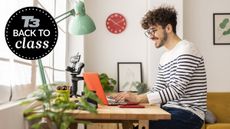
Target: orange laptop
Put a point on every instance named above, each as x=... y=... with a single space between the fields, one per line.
x=93 y=83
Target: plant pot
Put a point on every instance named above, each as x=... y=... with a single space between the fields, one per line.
x=63 y=95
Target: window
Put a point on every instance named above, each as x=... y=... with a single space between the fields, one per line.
x=54 y=62
x=19 y=77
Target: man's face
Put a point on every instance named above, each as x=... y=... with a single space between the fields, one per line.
x=158 y=35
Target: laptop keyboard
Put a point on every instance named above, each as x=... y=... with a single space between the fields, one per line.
x=112 y=101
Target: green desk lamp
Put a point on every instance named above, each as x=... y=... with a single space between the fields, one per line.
x=81 y=24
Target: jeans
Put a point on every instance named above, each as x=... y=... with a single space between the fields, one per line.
x=180 y=119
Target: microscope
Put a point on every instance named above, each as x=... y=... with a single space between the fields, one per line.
x=75 y=71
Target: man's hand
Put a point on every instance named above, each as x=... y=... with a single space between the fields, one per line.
x=126 y=96
x=130 y=97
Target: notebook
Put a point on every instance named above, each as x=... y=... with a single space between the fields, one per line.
x=93 y=83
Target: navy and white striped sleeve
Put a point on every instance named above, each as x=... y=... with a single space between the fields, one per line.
x=179 y=75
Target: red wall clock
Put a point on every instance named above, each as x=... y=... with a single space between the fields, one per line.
x=116 y=23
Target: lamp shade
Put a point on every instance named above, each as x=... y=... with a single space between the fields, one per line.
x=81 y=23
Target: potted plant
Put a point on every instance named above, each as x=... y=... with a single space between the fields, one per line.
x=107 y=83
x=141 y=87
x=51 y=112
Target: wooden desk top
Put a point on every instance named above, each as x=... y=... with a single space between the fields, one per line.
x=115 y=113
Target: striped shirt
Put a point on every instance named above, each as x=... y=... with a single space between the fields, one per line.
x=181 y=80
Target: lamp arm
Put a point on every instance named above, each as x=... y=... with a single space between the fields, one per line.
x=66 y=15
x=41 y=69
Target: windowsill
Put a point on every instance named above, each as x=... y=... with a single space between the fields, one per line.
x=13 y=103
x=9 y=105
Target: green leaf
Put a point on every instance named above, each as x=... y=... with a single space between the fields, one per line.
x=87 y=106
x=114 y=82
x=36 y=126
x=103 y=75
x=28 y=111
x=223 y=24
x=107 y=83
x=226 y=32
x=35 y=116
x=64 y=125
x=52 y=115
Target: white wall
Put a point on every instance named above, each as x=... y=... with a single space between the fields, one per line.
x=103 y=49
x=11 y=116
x=198 y=28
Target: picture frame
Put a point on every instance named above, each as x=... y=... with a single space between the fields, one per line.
x=221 y=28
x=128 y=73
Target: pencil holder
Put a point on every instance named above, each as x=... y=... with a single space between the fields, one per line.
x=63 y=93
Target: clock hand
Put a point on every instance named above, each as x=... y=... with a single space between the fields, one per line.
x=120 y=21
x=116 y=23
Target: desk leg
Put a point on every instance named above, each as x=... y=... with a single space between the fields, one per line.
x=127 y=125
x=143 y=124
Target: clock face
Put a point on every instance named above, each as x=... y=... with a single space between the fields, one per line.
x=116 y=23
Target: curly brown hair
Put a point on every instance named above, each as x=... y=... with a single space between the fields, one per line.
x=163 y=16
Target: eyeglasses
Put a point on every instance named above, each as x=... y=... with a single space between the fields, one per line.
x=150 y=32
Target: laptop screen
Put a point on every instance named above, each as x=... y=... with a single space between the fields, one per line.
x=93 y=83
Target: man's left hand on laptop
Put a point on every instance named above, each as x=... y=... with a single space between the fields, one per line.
x=126 y=96
x=131 y=97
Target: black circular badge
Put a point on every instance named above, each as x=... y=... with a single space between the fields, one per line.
x=31 y=33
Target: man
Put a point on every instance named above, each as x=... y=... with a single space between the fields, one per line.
x=180 y=86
